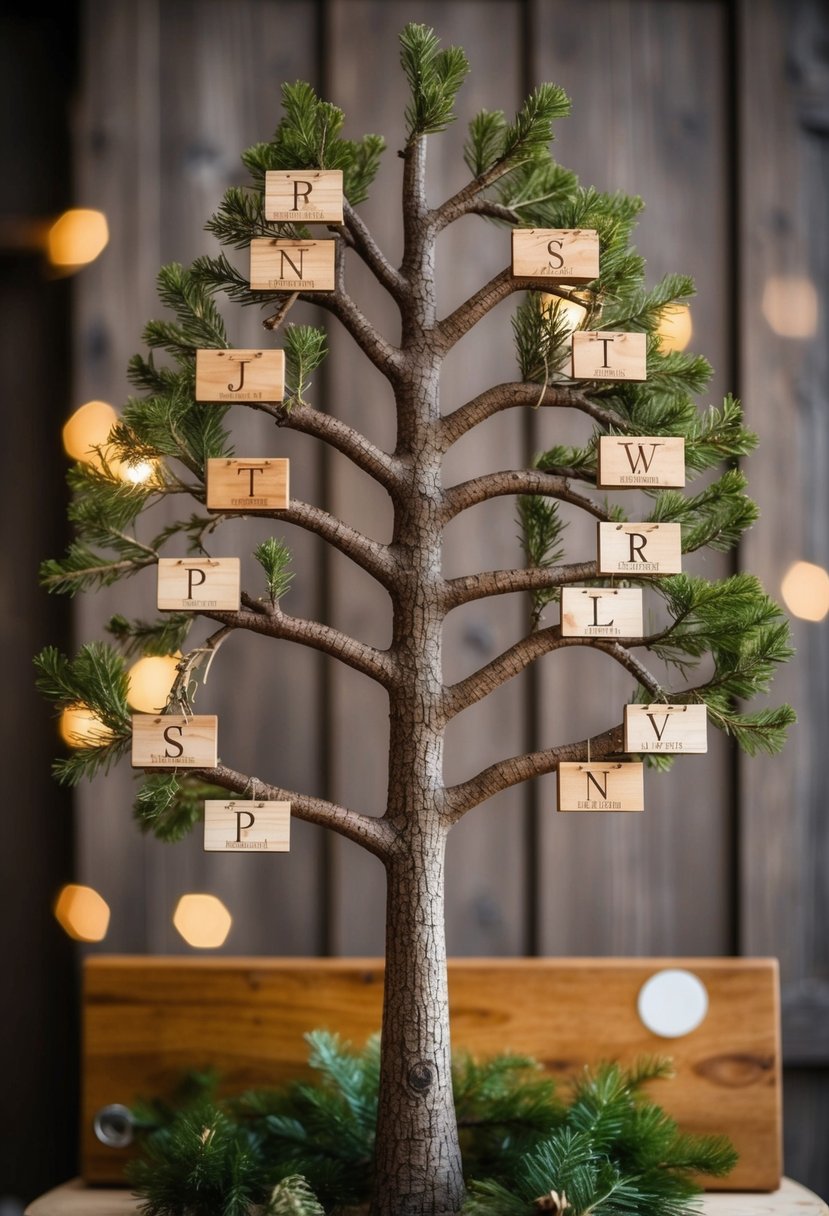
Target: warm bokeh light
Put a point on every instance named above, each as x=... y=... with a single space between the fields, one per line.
x=790 y=305
x=82 y=913
x=805 y=591
x=87 y=429
x=80 y=727
x=570 y=311
x=675 y=327
x=150 y=681
x=77 y=238
x=202 y=920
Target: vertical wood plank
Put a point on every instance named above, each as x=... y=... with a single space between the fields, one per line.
x=784 y=170
x=174 y=93
x=485 y=877
x=649 y=117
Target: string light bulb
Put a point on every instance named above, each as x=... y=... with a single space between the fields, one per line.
x=150 y=681
x=675 y=327
x=78 y=726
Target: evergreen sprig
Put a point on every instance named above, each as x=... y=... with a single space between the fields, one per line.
x=169 y=805
x=95 y=680
x=198 y=321
x=541 y=527
x=715 y=518
x=609 y=1147
x=274 y=557
x=160 y=637
x=206 y=1164
x=434 y=78
x=305 y=350
x=542 y=339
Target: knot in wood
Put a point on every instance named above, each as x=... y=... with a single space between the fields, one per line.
x=421 y=1076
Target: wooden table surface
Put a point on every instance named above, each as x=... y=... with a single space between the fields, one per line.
x=75 y=1199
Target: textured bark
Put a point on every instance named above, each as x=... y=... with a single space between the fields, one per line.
x=418 y=1166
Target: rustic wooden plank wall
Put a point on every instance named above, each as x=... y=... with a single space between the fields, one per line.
x=672 y=99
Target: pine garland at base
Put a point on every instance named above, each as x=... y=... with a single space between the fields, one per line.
x=307 y=1149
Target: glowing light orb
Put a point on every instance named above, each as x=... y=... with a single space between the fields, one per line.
x=805 y=591
x=82 y=913
x=77 y=238
x=150 y=681
x=202 y=920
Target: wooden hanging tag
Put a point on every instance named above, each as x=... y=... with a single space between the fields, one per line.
x=603 y=785
x=600 y=354
x=569 y=255
x=240 y=375
x=643 y=460
x=247 y=484
x=255 y=827
x=666 y=728
x=277 y=265
x=175 y=741
x=601 y=612
x=640 y=548
x=304 y=196
x=195 y=584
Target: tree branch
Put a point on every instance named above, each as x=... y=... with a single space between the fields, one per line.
x=466 y=199
x=505 y=773
x=378 y=464
x=385 y=357
x=515 y=481
x=516 y=658
x=371 y=555
x=452 y=328
x=365 y=245
x=372 y=833
x=507 y=396
x=471 y=587
x=376 y=664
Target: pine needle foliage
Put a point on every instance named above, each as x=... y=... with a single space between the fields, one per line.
x=95 y=679
x=541 y=531
x=169 y=805
x=604 y=1143
x=160 y=638
x=305 y=350
x=274 y=558
x=434 y=77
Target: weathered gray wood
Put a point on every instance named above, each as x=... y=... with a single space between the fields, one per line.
x=485 y=877
x=157 y=160
x=784 y=160
x=646 y=81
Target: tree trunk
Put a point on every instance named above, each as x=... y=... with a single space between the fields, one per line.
x=418 y=1167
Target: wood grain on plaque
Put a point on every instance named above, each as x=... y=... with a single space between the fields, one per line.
x=240 y=375
x=146 y=1020
x=645 y=460
x=570 y=255
x=247 y=484
x=602 y=355
x=639 y=548
x=277 y=265
x=304 y=196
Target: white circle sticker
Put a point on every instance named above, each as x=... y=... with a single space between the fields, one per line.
x=673 y=1003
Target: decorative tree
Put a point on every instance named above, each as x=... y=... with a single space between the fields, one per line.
x=515 y=182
